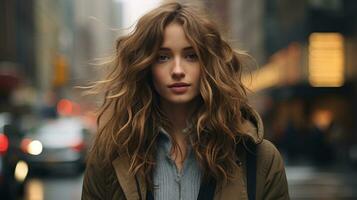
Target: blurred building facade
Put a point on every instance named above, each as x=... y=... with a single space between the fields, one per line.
x=17 y=35
x=305 y=84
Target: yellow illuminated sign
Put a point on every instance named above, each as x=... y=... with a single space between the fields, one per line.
x=326 y=60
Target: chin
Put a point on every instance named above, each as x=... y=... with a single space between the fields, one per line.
x=180 y=99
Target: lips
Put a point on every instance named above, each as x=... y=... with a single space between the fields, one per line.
x=179 y=88
x=179 y=85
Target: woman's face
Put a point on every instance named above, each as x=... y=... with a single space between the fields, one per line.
x=176 y=72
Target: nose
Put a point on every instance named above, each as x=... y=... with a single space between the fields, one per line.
x=177 y=71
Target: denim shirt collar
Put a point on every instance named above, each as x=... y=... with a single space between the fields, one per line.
x=165 y=139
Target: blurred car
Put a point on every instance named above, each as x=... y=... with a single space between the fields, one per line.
x=56 y=144
x=13 y=170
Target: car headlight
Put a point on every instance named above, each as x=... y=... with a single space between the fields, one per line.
x=21 y=171
x=33 y=147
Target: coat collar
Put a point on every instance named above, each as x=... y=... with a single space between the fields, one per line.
x=252 y=125
x=129 y=183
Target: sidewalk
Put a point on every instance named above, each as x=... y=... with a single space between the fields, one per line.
x=311 y=182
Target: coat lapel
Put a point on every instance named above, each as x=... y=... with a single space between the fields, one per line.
x=237 y=188
x=127 y=181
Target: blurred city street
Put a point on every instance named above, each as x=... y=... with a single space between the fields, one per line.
x=308 y=182
x=54 y=187
x=302 y=82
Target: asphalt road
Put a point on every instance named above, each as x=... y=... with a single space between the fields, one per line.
x=54 y=187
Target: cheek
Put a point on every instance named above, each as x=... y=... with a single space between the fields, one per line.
x=197 y=79
x=197 y=75
x=157 y=77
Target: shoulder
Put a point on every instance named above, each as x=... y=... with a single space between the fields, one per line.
x=99 y=178
x=271 y=177
x=268 y=158
x=95 y=170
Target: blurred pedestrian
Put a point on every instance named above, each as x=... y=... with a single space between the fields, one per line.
x=175 y=122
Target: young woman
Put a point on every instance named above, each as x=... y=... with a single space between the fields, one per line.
x=175 y=122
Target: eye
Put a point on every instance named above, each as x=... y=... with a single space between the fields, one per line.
x=191 y=57
x=162 y=58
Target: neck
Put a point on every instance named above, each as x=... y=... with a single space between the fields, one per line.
x=178 y=114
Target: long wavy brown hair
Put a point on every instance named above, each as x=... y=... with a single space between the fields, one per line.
x=130 y=114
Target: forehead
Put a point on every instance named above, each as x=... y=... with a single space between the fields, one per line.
x=174 y=36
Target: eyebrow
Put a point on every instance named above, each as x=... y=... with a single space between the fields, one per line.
x=168 y=49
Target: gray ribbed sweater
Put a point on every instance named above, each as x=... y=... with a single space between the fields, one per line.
x=169 y=183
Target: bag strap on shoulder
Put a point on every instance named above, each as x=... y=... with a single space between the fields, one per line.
x=251 y=170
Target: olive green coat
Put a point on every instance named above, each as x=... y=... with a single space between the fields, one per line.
x=115 y=182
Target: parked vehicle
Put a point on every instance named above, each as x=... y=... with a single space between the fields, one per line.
x=13 y=170
x=58 y=144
